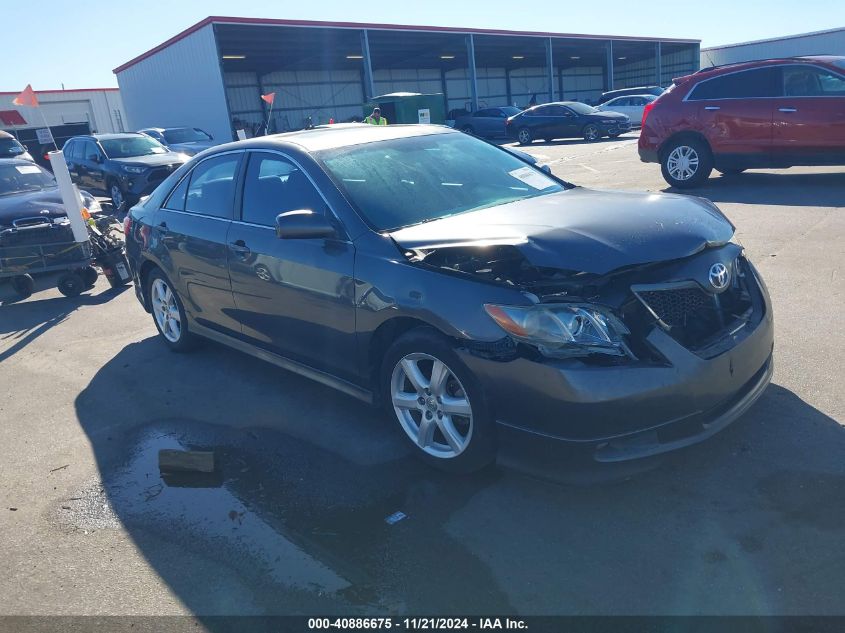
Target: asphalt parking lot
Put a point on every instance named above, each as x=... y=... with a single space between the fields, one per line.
x=749 y=522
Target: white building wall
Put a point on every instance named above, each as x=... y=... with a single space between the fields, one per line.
x=101 y=109
x=178 y=85
x=830 y=42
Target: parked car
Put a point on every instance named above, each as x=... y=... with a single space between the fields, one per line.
x=121 y=166
x=566 y=119
x=478 y=299
x=624 y=92
x=487 y=122
x=188 y=140
x=771 y=114
x=632 y=107
x=35 y=233
x=10 y=147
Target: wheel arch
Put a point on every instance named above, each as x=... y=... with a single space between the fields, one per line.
x=384 y=336
x=147 y=267
x=681 y=136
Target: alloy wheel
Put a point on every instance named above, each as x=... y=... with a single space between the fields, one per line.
x=116 y=197
x=682 y=162
x=591 y=133
x=166 y=311
x=524 y=136
x=432 y=405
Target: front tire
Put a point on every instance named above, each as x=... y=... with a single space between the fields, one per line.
x=24 y=285
x=71 y=284
x=168 y=313
x=118 y=200
x=591 y=133
x=524 y=136
x=437 y=402
x=686 y=163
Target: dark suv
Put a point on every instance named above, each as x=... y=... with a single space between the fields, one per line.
x=765 y=114
x=121 y=166
x=485 y=303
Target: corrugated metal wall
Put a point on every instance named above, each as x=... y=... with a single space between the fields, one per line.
x=179 y=85
x=823 y=43
x=101 y=109
x=583 y=83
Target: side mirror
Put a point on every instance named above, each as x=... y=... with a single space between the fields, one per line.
x=303 y=224
x=546 y=169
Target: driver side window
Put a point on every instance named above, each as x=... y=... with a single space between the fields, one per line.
x=274 y=185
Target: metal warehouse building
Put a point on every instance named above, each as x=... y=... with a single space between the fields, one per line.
x=212 y=74
x=830 y=42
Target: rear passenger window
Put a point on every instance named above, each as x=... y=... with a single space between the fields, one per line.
x=747 y=84
x=69 y=149
x=274 y=185
x=212 y=187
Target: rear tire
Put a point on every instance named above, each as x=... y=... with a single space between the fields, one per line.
x=118 y=198
x=71 y=284
x=447 y=421
x=524 y=136
x=24 y=285
x=686 y=163
x=168 y=313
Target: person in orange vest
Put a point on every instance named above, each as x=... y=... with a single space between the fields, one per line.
x=375 y=118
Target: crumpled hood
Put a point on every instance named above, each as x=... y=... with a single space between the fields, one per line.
x=583 y=230
x=44 y=203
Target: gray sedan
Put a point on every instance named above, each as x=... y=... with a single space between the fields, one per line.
x=487 y=122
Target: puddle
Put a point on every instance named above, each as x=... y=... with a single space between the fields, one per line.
x=280 y=512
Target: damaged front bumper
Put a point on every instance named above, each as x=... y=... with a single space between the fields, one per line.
x=627 y=412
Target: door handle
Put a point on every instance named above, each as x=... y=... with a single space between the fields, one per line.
x=787 y=109
x=712 y=108
x=240 y=248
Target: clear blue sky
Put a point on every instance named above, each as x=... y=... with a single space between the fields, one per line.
x=94 y=36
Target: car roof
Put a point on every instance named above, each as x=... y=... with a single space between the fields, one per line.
x=647 y=95
x=332 y=137
x=759 y=63
x=5 y=134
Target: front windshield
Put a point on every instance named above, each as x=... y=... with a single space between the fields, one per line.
x=10 y=147
x=129 y=146
x=24 y=177
x=417 y=179
x=581 y=108
x=185 y=135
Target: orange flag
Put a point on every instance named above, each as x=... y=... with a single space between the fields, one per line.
x=27 y=97
x=269 y=97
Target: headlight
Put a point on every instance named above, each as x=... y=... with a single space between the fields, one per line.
x=133 y=169
x=563 y=330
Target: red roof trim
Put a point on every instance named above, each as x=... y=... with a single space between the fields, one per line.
x=41 y=92
x=216 y=19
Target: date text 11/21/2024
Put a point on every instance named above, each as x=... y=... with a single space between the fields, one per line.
x=418 y=624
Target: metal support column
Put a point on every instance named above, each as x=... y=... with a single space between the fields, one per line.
x=550 y=68
x=610 y=65
x=369 y=87
x=508 y=86
x=658 y=62
x=473 y=79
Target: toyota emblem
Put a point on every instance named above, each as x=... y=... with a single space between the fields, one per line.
x=719 y=276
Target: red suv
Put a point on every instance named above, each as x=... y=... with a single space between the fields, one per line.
x=771 y=113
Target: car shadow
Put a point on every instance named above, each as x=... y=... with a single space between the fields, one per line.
x=782 y=188
x=24 y=320
x=317 y=506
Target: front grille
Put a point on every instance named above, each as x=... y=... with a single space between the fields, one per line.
x=158 y=174
x=696 y=318
x=677 y=307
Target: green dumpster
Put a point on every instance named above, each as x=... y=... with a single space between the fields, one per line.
x=409 y=107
